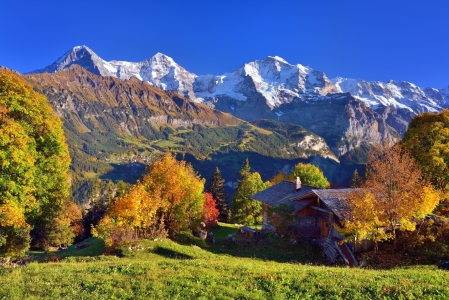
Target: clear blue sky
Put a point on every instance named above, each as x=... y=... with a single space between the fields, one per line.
x=373 y=40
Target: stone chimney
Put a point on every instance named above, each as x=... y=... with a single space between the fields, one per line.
x=297 y=184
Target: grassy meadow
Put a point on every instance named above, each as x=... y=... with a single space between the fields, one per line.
x=188 y=268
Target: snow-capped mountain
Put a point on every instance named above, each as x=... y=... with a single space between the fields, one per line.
x=275 y=79
x=160 y=70
x=346 y=112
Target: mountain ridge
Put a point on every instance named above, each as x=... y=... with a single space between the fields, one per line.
x=346 y=112
x=283 y=81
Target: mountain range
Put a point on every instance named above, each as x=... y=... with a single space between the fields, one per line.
x=117 y=113
x=346 y=112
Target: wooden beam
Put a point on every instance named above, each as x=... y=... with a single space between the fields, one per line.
x=321 y=209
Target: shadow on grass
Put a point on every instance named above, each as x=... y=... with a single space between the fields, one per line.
x=270 y=248
x=95 y=247
x=171 y=254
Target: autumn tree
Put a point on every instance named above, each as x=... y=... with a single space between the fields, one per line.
x=394 y=193
x=279 y=177
x=14 y=230
x=66 y=225
x=180 y=190
x=364 y=219
x=310 y=175
x=427 y=140
x=34 y=157
x=244 y=209
x=168 y=198
x=210 y=211
x=216 y=188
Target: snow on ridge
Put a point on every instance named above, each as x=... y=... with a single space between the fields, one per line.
x=278 y=58
x=218 y=86
x=273 y=77
x=404 y=95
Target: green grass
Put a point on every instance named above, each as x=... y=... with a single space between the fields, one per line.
x=96 y=248
x=192 y=269
x=165 y=143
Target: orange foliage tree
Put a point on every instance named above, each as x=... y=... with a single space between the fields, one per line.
x=168 y=198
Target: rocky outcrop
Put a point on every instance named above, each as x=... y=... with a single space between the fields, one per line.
x=342 y=120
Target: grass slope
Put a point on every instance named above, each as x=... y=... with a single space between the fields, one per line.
x=189 y=269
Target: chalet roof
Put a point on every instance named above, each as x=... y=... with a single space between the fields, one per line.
x=336 y=200
x=284 y=193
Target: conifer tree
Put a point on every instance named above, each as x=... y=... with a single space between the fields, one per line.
x=217 y=190
x=246 y=169
x=244 y=209
x=356 y=179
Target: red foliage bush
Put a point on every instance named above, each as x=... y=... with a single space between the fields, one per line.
x=211 y=213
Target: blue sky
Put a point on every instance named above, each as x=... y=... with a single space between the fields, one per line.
x=373 y=40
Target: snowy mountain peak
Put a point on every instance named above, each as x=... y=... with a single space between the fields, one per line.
x=277 y=58
x=81 y=55
x=77 y=48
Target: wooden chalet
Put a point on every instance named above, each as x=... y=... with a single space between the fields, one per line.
x=317 y=211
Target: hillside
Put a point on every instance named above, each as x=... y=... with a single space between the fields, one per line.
x=110 y=123
x=191 y=269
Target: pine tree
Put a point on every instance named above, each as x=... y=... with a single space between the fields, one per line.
x=356 y=179
x=245 y=170
x=217 y=190
x=244 y=209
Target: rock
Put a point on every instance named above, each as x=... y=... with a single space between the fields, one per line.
x=210 y=237
x=202 y=234
x=444 y=266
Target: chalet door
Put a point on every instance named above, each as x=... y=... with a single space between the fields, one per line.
x=324 y=228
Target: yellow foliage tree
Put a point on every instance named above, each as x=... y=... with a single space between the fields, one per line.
x=363 y=220
x=179 y=190
x=136 y=209
x=14 y=231
x=392 y=196
x=170 y=195
x=34 y=157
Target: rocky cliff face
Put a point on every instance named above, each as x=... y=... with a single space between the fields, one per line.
x=342 y=120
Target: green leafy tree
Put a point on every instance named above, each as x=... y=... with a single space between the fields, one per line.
x=310 y=175
x=427 y=140
x=34 y=157
x=66 y=226
x=244 y=209
x=216 y=188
